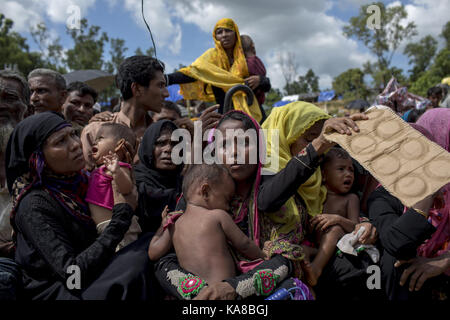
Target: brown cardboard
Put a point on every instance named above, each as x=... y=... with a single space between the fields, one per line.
x=404 y=161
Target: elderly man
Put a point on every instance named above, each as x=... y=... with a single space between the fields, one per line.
x=14 y=100
x=48 y=90
x=79 y=105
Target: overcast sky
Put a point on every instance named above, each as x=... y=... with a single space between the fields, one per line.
x=182 y=29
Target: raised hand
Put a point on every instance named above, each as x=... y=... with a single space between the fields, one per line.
x=111 y=162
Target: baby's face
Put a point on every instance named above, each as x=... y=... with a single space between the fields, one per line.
x=221 y=194
x=339 y=175
x=104 y=143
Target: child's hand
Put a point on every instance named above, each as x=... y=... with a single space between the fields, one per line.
x=323 y=221
x=165 y=215
x=111 y=162
x=126 y=149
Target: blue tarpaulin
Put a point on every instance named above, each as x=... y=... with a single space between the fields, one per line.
x=281 y=103
x=326 y=96
x=174 y=93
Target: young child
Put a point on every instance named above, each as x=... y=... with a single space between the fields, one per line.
x=201 y=234
x=255 y=68
x=341 y=210
x=113 y=150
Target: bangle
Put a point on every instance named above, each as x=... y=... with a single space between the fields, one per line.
x=421 y=212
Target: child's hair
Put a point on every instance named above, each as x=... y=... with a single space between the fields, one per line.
x=247 y=44
x=119 y=131
x=197 y=173
x=334 y=153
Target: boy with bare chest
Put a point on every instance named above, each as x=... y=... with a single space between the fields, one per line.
x=340 y=210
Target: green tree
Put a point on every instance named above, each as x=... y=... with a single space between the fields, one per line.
x=383 y=41
x=51 y=51
x=14 y=49
x=420 y=55
x=117 y=51
x=446 y=34
x=438 y=70
x=305 y=84
x=350 y=84
x=274 y=95
x=87 y=52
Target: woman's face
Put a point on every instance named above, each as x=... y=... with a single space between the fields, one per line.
x=163 y=150
x=226 y=37
x=239 y=172
x=307 y=137
x=63 y=153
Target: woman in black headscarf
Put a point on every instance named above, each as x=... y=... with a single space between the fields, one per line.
x=158 y=179
x=57 y=246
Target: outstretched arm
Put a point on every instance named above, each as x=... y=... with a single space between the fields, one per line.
x=238 y=239
x=161 y=241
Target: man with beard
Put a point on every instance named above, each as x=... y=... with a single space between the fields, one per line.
x=14 y=101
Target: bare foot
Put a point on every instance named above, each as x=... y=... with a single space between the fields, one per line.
x=312 y=273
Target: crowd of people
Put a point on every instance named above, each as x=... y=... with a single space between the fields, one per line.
x=94 y=207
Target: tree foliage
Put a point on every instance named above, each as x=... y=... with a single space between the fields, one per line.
x=420 y=55
x=87 y=52
x=14 y=49
x=383 y=41
x=305 y=84
x=350 y=84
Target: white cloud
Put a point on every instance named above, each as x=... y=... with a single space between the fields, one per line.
x=28 y=13
x=429 y=16
x=157 y=13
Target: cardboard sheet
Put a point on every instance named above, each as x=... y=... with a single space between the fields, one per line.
x=404 y=161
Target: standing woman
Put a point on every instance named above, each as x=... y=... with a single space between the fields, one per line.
x=158 y=179
x=218 y=70
x=54 y=234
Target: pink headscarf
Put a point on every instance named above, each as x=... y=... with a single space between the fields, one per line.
x=437 y=121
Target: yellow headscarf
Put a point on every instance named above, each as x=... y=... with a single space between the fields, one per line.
x=292 y=120
x=213 y=68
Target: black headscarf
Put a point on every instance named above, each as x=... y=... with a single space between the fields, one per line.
x=25 y=166
x=28 y=137
x=156 y=188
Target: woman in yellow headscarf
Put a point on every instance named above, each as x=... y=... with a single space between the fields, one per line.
x=291 y=190
x=218 y=70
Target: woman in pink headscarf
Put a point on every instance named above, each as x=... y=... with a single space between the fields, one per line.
x=437 y=122
x=415 y=241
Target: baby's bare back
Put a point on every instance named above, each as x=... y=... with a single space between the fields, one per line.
x=201 y=245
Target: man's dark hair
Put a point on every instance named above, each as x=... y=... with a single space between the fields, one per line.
x=197 y=173
x=434 y=91
x=83 y=89
x=139 y=69
x=120 y=131
x=14 y=75
x=334 y=153
x=169 y=105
